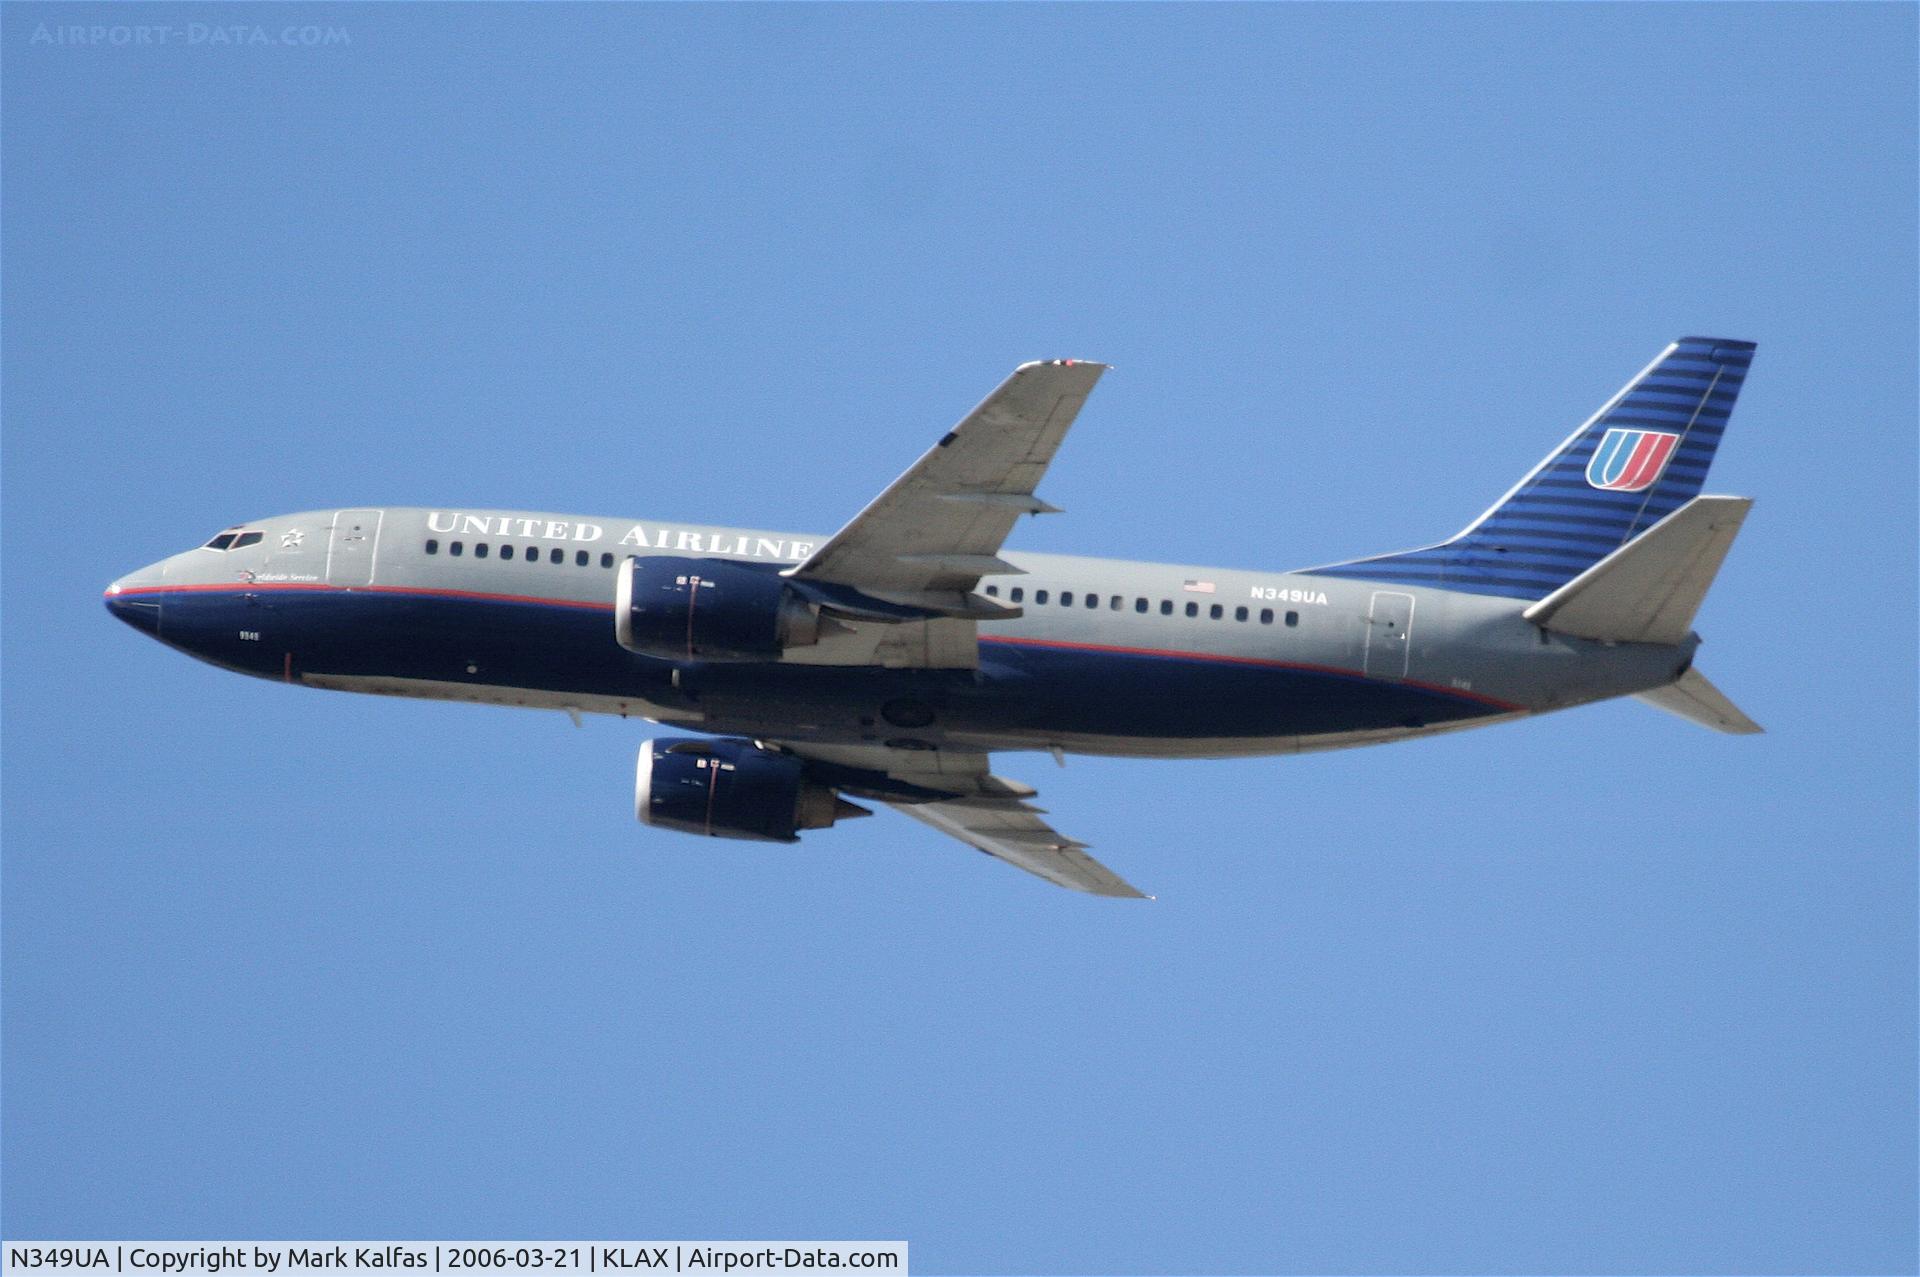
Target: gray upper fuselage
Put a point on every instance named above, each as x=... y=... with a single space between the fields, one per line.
x=1474 y=650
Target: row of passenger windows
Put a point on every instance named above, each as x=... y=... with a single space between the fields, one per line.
x=1116 y=603
x=1017 y=594
x=531 y=553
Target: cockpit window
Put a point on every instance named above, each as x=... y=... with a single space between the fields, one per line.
x=234 y=539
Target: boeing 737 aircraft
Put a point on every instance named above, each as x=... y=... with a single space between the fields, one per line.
x=889 y=661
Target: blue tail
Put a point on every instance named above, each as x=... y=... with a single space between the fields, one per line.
x=1637 y=460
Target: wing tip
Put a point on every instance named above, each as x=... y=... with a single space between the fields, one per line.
x=1092 y=364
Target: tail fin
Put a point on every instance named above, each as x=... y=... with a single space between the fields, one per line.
x=1636 y=461
x=1648 y=590
x=1693 y=698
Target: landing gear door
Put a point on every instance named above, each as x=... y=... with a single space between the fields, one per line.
x=1389 y=634
x=352 y=545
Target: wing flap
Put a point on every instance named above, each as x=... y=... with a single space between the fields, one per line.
x=937 y=645
x=1013 y=831
x=987 y=812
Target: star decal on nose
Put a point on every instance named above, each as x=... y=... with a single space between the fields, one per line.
x=292 y=540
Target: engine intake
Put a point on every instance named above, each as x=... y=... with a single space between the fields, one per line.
x=709 y=609
x=731 y=789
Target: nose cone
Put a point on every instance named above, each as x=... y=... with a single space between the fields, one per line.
x=140 y=614
x=130 y=599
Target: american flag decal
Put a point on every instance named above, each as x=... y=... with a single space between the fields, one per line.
x=1197 y=587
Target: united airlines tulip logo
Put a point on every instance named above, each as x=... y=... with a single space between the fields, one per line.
x=1630 y=460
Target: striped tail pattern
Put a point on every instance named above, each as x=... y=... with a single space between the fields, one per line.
x=1637 y=460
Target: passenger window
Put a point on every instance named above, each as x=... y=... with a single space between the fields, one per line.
x=1193 y=609
x=506 y=552
x=556 y=555
x=246 y=539
x=1215 y=612
x=606 y=560
x=479 y=549
x=1293 y=618
x=1166 y=607
x=1266 y=616
x=433 y=547
x=1239 y=614
x=1139 y=605
x=1114 y=604
x=580 y=558
x=1016 y=593
x=1039 y=596
x=1066 y=598
x=993 y=591
x=1093 y=600
x=455 y=549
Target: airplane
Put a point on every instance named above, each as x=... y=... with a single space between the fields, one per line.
x=888 y=662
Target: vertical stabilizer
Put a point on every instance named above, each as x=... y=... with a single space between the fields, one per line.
x=1641 y=457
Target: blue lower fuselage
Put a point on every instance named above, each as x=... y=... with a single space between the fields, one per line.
x=1026 y=693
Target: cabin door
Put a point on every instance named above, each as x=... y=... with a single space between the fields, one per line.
x=351 y=546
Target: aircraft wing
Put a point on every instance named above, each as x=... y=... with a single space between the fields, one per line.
x=1015 y=832
x=987 y=812
x=929 y=538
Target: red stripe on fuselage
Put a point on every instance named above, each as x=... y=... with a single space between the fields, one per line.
x=321 y=587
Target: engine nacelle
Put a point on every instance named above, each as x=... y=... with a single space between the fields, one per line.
x=731 y=789
x=709 y=610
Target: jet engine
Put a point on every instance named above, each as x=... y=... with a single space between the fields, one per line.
x=709 y=609
x=732 y=789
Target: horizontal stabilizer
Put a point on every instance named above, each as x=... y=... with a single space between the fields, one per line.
x=1693 y=697
x=1649 y=589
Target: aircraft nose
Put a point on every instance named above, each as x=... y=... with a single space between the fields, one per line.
x=141 y=614
x=125 y=600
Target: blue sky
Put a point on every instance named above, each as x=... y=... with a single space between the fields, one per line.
x=1599 y=992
